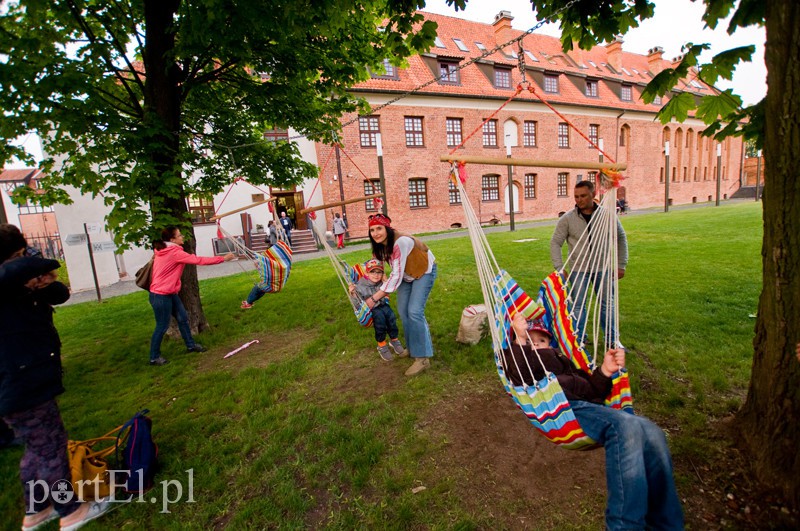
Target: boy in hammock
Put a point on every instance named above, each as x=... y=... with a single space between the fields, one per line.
x=383 y=318
x=641 y=488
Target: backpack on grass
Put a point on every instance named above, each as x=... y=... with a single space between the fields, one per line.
x=140 y=456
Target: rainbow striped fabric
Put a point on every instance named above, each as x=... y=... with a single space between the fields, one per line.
x=510 y=299
x=557 y=306
x=354 y=274
x=274 y=267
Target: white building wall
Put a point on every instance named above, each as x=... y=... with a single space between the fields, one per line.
x=111 y=267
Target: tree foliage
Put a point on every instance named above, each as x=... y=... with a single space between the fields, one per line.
x=149 y=101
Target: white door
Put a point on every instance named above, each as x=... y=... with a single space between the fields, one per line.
x=515 y=194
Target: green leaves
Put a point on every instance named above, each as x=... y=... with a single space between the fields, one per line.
x=678 y=108
x=723 y=64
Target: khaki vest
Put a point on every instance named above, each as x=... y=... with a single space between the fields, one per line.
x=417 y=261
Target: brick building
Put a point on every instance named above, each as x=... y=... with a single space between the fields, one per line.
x=599 y=91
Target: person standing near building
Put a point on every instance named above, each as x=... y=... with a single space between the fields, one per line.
x=168 y=265
x=310 y=217
x=569 y=229
x=339 y=228
x=287 y=225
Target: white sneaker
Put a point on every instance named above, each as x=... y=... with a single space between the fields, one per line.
x=37 y=520
x=86 y=513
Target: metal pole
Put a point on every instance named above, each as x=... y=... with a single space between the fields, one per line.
x=385 y=208
x=666 y=176
x=510 y=186
x=719 y=171
x=341 y=186
x=758 y=174
x=91 y=261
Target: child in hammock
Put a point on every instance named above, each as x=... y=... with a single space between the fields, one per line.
x=639 y=480
x=522 y=365
x=383 y=319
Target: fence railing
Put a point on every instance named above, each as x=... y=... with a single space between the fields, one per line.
x=48 y=244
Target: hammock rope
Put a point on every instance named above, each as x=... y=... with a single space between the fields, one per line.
x=543 y=402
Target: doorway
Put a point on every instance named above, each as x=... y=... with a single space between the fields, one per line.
x=291 y=203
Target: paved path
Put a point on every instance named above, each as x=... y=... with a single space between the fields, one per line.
x=232 y=268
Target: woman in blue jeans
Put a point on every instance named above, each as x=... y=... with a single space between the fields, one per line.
x=168 y=265
x=412 y=277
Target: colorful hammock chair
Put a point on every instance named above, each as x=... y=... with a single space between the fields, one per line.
x=544 y=403
x=348 y=274
x=273 y=265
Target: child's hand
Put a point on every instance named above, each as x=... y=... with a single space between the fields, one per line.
x=351 y=288
x=613 y=361
x=42 y=281
x=520 y=326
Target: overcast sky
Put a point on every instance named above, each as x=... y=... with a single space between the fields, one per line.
x=675 y=23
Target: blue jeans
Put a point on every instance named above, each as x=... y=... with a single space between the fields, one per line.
x=411 y=300
x=384 y=321
x=579 y=281
x=255 y=294
x=641 y=489
x=164 y=307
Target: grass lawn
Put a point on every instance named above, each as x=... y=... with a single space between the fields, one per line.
x=309 y=428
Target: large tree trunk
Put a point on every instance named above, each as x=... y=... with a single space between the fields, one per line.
x=162 y=103
x=771 y=415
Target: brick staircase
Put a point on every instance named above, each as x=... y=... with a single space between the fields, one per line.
x=302 y=241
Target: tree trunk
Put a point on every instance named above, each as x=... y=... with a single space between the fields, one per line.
x=162 y=104
x=770 y=417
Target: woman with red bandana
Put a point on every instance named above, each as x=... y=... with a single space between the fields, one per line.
x=412 y=277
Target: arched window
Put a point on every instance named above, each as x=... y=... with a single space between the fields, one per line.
x=510 y=133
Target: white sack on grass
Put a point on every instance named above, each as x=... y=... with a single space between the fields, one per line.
x=474 y=323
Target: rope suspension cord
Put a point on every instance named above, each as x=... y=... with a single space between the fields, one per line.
x=533 y=91
x=436 y=79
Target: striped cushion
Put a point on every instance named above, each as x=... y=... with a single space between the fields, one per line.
x=274 y=266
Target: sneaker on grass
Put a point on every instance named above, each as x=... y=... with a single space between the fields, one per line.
x=86 y=513
x=386 y=354
x=398 y=348
x=37 y=520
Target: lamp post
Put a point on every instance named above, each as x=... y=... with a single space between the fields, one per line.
x=719 y=172
x=666 y=176
x=758 y=174
x=510 y=185
x=379 y=146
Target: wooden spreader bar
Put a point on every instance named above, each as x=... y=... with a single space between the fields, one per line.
x=571 y=164
x=218 y=216
x=339 y=203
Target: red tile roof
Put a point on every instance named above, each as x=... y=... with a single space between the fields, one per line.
x=23 y=175
x=577 y=64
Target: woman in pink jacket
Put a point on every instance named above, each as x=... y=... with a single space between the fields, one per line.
x=170 y=260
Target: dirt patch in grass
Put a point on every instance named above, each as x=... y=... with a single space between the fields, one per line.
x=269 y=349
x=506 y=469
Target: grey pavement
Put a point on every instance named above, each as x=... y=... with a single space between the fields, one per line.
x=238 y=266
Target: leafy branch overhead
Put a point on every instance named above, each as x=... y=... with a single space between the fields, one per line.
x=144 y=103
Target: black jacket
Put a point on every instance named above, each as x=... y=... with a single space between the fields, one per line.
x=519 y=361
x=30 y=349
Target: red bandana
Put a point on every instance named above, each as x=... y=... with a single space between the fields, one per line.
x=380 y=219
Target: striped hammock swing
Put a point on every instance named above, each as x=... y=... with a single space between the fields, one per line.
x=347 y=274
x=544 y=403
x=273 y=265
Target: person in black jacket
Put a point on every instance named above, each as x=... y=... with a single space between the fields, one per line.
x=641 y=488
x=30 y=380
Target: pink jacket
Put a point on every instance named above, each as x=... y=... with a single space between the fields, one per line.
x=168 y=268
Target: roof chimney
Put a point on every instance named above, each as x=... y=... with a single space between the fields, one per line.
x=654 y=59
x=502 y=27
x=614 y=53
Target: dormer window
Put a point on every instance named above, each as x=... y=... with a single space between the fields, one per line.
x=551 y=83
x=448 y=72
x=657 y=101
x=502 y=77
x=626 y=93
x=591 y=88
x=390 y=71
